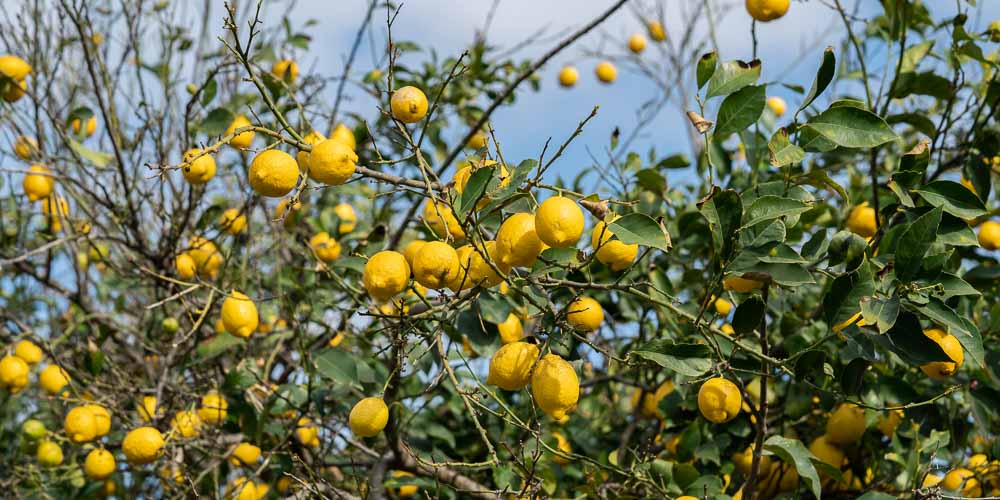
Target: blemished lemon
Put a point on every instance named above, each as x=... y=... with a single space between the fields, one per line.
x=38 y=183
x=49 y=454
x=767 y=10
x=846 y=424
x=185 y=266
x=326 y=248
x=656 y=31
x=186 y=423
x=100 y=464
x=55 y=209
x=606 y=72
x=861 y=220
x=964 y=481
x=245 y=454
x=285 y=69
x=989 y=235
x=368 y=417
x=723 y=306
x=213 y=408
x=613 y=253
x=411 y=249
x=102 y=419
x=348 y=218
x=80 y=425
x=510 y=366
x=518 y=244
x=555 y=385
x=510 y=329
x=435 y=265
x=719 y=400
x=408 y=104
x=25 y=147
x=233 y=221
x=344 y=134
x=563 y=445
x=651 y=401
x=441 y=219
x=952 y=348
x=274 y=173
x=386 y=274
x=28 y=351
x=13 y=374
x=741 y=285
x=585 y=314
x=406 y=490
x=306 y=433
x=777 y=105
x=242 y=140
x=889 y=421
x=332 y=162
x=302 y=157
x=637 y=43
x=52 y=379
x=239 y=315
x=88 y=131
x=568 y=76
x=147 y=409
x=559 y=222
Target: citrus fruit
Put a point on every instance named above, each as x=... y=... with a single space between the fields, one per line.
x=386 y=274
x=28 y=351
x=606 y=72
x=80 y=425
x=568 y=76
x=435 y=265
x=52 y=379
x=274 y=173
x=656 y=31
x=767 y=10
x=13 y=374
x=719 y=400
x=517 y=242
x=637 y=43
x=332 y=162
x=344 y=134
x=38 y=183
x=585 y=314
x=408 y=104
x=49 y=454
x=213 y=408
x=510 y=329
x=989 y=235
x=243 y=140
x=510 y=366
x=99 y=464
x=245 y=454
x=233 y=221
x=285 y=69
x=861 y=220
x=368 y=417
x=442 y=221
x=951 y=347
x=186 y=423
x=846 y=424
x=555 y=386
x=348 y=218
x=239 y=315
x=613 y=253
x=559 y=222
x=777 y=105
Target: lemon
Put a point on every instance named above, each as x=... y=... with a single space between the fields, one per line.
x=562 y=444
x=186 y=423
x=242 y=140
x=345 y=135
x=723 y=306
x=274 y=173
x=585 y=314
x=989 y=235
x=827 y=451
x=100 y=464
x=656 y=31
x=288 y=215
x=88 y=131
x=285 y=69
x=442 y=221
x=13 y=374
x=49 y=454
x=952 y=348
x=25 y=147
x=241 y=488
x=233 y=221
x=606 y=72
x=861 y=220
x=386 y=274
x=336 y=340
x=568 y=76
x=245 y=454
x=17 y=70
x=510 y=366
x=102 y=419
x=80 y=425
x=185 y=266
x=302 y=157
x=741 y=285
x=728 y=329
x=777 y=105
x=147 y=409
x=52 y=379
x=28 y=351
x=348 y=218
x=405 y=490
x=38 y=183
x=15 y=90
x=767 y=10
x=888 y=422
x=206 y=256
x=410 y=251
x=719 y=400
x=559 y=222
x=33 y=429
x=326 y=248
x=56 y=209
x=744 y=461
x=962 y=480
x=846 y=424
x=435 y=265
x=213 y=409
x=368 y=417
x=332 y=162
x=239 y=315
x=510 y=329
x=408 y=104
x=555 y=386
x=637 y=43
x=978 y=461
x=651 y=401
x=517 y=242
x=307 y=433
x=465 y=171
x=477 y=141
x=478 y=271
x=612 y=253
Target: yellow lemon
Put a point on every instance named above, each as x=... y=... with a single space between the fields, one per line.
x=185 y=266
x=637 y=43
x=510 y=366
x=345 y=135
x=245 y=454
x=99 y=465
x=348 y=218
x=102 y=419
x=777 y=105
x=239 y=315
x=332 y=162
x=302 y=157
x=386 y=274
x=411 y=249
x=80 y=425
x=28 y=351
x=442 y=221
x=274 y=173
x=435 y=265
x=728 y=329
x=888 y=422
x=741 y=285
x=585 y=314
x=989 y=235
x=408 y=104
x=38 y=183
x=555 y=386
x=326 y=248
x=465 y=172
x=56 y=209
x=242 y=140
x=285 y=69
x=568 y=76
x=651 y=401
x=147 y=409
x=656 y=31
x=517 y=242
x=723 y=306
x=52 y=379
x=306 y=433
x=213 y=409
x=846 y=424
x=25 y=147
x=288 y=215
x=479 y=272
x=827 y=451
x=406 y=490
x=198 y=168
x=186 y=423
x=90 y=128
x=477 y=141
x=14 y=67
x=241 y=488
x=233 y=221
x=562 y=444
x=964 y=481
x=606 y=72
x=49 y=454
x=978 y=461
x=13 y=374
x=510 y=329
x=952 y=348
x=368 y=417
x=861 y=220
x=612 y=253
x=719 y=400
x=767 y=10
x=559 y=222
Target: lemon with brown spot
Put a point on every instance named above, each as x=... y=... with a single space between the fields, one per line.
x=408 y=104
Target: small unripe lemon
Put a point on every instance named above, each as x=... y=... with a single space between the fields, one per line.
x=637 y=43
x=846 y=424
x=213 y=409
x=285 y=69
x=719 y=400
x=559 y=222
x=386 y=274
x=368 y=417
x=408 y=104
x=767 y=10
x=989 y=235
x=442 y=221
x=242 y=140
x=555 y=386
x=777 y=105
x=348 y=218
x=435 y=265
x=656 y=31
x=28 y=351
x=245 y=454
x=239 y=315
x=80 y=425
x=606 y=72
x=34 y=429
x=510 y=329
x=568 y=76
x=510 y=366
x=38 y=183
x=952 y=348
x=613 y=253
x=170 y=325
x=100 y=464
x=332 y=162
x=517 y=242
x=52 y=379
x=49 y=454
x=274 y=173
x=197 y=168
x=585 y=314
x=326 y=248
x=233 y=221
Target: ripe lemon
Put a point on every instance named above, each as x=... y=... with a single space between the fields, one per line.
x=102 y=419
x=767 y=10
x=242 y=140
x=952 y=348
x=326 y=248
x=52 y=379
x=348 y=218
x=99 y=465
x=861 y=220
x=185 y=266
x=888 y=422
x=568 y=76
x=213 y=409
x=989 y=235
x=147 y=409
x=186 y=423
x=559 y=222
x=49 y=454
x=386 y=274
x=344 y=134
x=25 y=147
x=477 y=141
x=555 y=386
x=846 y=424
x=88 y=131
x=274 y=173
x=719 y=400
x=368 y=417
x=80 y=425
x=463 y=281
x=777 y=105
x=56 y=209
x=38 y=183
x=13 y=374
x=285 y=69
x=510 y=329
x=206 y=256
x=727 y=329
x=245 y=454
x=827 y=451
x=307 y=433
x=562 y=444
x=288 y=215
x=637 y=43
x=612 y=253
x=585 y=314
x=478 y=270
x=408 y=104
x=233 y=221
x=242 y=488
x=723 y=306
x=332 y=162
x=510 y=366
x=517 y=242
x=656 y=31
x=302 y=157
x=28 y=351
x=964 y=481
x=239 y=315
x=14 y=67
x=744 y=461
x=606 y=72
x=741 y=285
x=442 y=221
x=435 y=265
x=411 y=249
x=405 y=490
x=651 y=401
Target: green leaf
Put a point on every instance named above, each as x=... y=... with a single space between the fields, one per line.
x=679 y=160
x=851 y=127
x=651 y=180
x=792 y=451
x=337 y=365
x=731 y=76
x=843 y=300
x=724 y=211
x=749 y=315
x=964 y=330
x=641 y=229
x=216 y=346
x=216 y=122
x=783 y=152
x=916 y=159
x=771 y=207
x=914 y=54
x=209 y=92
x=474 y=190
x=706 y=67
x=953 y=198
x=690 y=360
x=853 y=376
x=880 y=312
x=914 y=242
x=824 y=75
x=96 y=158
x=811 y=140
x=740 y=109
x=906 y=338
